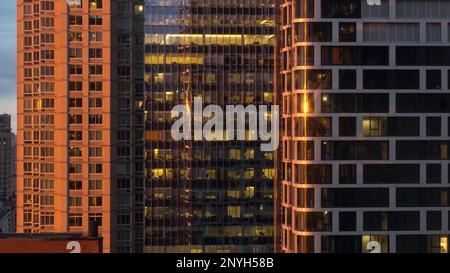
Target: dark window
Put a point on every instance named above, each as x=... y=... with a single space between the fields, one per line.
x=449 y=221
x=423 y=55
x=313 y=32
x=391 y=173
x=305 y=58
x=355 y=55
x=423 y=103
x=305 y=154
x=347 y=174
x=448 y=77
x=306 y=243
x=347 y=32
x=305 y=197
x=341 y=9
x=391 y=220
x=341 y=243
x=448 y=128
x=355 y=150
x=347 y=126
x=315 y=126
x=434 y=79
x=434 y=173
x=75 y=185
x=355 y=103
x=347 y=79
x=418 y=244
x=422 y=150
x=391 y=79
x=315 y=79
x=433 y=126
x=434 y=220
x=315 y=174
x=304 y=8
x=347 y=221
x=354 y=197
x=403 y=126
x=312 y=221
x=75 y=135
x=422 y=197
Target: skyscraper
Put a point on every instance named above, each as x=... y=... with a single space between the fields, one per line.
x=365 y=125
x=80 y=119
x=207 y=196
x=7 y=175
x=6 y=157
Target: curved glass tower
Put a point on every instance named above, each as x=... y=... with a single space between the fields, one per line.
x=364 y=87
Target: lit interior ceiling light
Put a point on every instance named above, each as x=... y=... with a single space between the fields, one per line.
x=305 y=105
x=73 y=2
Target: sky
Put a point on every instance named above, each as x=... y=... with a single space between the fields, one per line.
x=8 y=59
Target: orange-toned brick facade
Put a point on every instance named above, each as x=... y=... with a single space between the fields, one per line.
x=79 y=98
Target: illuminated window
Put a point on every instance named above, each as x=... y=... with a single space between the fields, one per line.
x=249 y=154
x=444 y=244
x=95 y=4
x=234 y=211
x=375 y=126
x=249 y=192
x=233 y=174
x=233 y=194
x=268 y=173
x=235 y=154
x=139 y=9
x=375 y=243
x=249 y=173
x=71 y=3
x=210 y=174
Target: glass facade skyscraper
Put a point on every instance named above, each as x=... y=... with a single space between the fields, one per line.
x=207 y=196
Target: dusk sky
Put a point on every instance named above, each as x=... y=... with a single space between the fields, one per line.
x=8 y=58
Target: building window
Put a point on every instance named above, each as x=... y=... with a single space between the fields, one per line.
x=434 y=32
x=95 y=168
x=347 y=32
x=341 y=9
x=73 y=3
x=434 y=174
x=96 y=218
x=139 y=9
x=95 y=36
x=75 y=20
x=347 y=79
x=75 y=168
x=347 y=126
x=75 y=185
x=95 y=4
x=433 y=126
x=75 y=219
x=347 y=174
x=434 y=79
x=95 y=20
x=347 y=221
x=95 y=185
x=95 y=201
x=304 y=8
x=434 y=220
